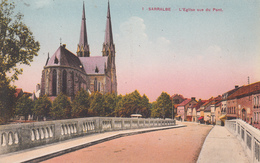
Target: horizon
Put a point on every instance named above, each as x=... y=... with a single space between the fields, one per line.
x=198 y=54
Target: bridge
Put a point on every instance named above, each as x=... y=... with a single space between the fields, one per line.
x=128 y=140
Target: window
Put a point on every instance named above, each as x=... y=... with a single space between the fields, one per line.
x=64 y=82
x=54 y=83
x=95 y=85
x=72 y=84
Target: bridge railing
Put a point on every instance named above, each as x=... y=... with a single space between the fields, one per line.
x=248 y=136
x=15 y=137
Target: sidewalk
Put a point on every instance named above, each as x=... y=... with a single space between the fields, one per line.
x=222 y=146
x=52 y=150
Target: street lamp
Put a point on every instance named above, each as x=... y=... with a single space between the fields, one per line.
x=172 y=107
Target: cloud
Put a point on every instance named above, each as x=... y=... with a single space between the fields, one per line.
x=42 y=3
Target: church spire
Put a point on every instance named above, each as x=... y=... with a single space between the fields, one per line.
x=108 y=42
x=83 y=47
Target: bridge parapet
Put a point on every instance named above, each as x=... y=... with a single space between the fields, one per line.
x=248 y=136
x=15 y=137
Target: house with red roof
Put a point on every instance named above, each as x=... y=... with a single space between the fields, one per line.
x=243 y=103
x=196 y=110
x=215 y=109
x=183 y=108
x=223 y=106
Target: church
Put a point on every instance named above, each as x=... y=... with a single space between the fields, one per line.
x=68 y=73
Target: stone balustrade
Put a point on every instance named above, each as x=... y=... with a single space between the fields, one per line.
x=248 y=136
x=15 y=137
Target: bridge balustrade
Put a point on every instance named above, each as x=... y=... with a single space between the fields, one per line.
x=15 y=137
x=248 y=136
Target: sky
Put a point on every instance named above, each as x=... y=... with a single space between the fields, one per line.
x=183 y=50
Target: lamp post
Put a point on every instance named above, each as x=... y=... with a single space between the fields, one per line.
x=172 y=108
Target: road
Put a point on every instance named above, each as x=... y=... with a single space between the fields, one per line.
x=172 y=145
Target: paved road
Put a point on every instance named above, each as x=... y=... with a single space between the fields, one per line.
x=173 y=145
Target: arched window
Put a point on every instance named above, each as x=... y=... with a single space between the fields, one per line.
x=54 y=82
x=64 y=81
x=72 y=83
x=98 y=86
x=95 y=85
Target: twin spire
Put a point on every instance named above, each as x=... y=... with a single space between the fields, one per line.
x=83 y=46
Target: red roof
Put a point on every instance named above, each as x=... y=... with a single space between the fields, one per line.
x=185 y=102
x=246 y=91
x=18 y=91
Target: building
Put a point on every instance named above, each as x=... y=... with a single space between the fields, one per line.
x=215 y=109
x=182 y=109
x=242 y=102
x=223 y=106
x=68 y=73
x=196 y=110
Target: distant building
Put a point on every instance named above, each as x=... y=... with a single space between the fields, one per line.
x=182 y=109
x=68 y=73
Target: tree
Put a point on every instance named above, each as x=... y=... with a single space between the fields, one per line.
x=61 y=107
x=132 y=104
x=80 y=104
x=42 y=107
x=24 y=106
x=7 y=101
x=97 y=105
x=17 y=44
x=163 y=106
x=145 y=107
x=110 y=102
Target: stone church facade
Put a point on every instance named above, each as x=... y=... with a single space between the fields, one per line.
x=68 y=73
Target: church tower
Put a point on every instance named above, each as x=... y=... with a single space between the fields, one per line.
x=83 y=47
x=109 y=51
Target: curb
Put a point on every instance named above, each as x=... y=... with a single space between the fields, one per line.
x=204 y=144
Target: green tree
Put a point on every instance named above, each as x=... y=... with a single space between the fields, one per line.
x=80 y=104
x=7 y=101
x=162 y=107
x=97 y=105
x=61 y=107
x=110 y=102
x=132 y=103
x=119 y=105
x=145 y=107
x=42 y=107
x=24 y=106
x=17 y=44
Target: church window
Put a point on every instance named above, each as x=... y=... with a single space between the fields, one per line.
x=72 y=84
x=54 y=83
x=98 y=86
x=95 y=85
x=64 y=81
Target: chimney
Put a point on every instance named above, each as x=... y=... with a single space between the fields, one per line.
x=64 y=45
x=236 y=86
x=193 y=98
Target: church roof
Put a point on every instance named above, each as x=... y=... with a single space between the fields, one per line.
x=63 y=57
x=95 y=64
